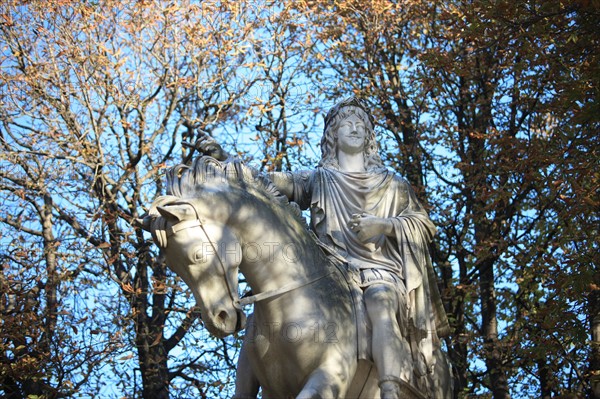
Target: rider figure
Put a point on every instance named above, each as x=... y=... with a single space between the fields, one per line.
x=372 y=218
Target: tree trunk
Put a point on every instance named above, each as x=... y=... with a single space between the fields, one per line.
x=544 y=372
x=153 y=366
x=492 y=350
x=459 y=353
x=51 y=286
x=152 y=354
x=149 y=324
x=594 y=316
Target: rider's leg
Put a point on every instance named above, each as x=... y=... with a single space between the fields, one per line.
x=391 y=351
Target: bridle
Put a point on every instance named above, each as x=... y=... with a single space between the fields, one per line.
x=239 y=303
x=188 y=224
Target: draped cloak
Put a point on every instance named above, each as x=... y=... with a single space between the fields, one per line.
x=334 y=196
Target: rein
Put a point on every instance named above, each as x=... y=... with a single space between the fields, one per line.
x=249 y=300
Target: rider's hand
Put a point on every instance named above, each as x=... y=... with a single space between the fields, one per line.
x=368 y=226
x=208 y=146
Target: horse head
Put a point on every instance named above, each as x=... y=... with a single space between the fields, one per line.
x=198 y=228
x=205 y=253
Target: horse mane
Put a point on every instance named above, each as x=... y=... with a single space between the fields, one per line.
x=187 y=182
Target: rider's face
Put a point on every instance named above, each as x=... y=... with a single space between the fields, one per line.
x=351 y=135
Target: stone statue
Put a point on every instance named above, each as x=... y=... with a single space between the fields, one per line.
x=368 y=266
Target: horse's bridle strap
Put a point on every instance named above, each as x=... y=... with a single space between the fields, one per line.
x=186 y=224
x=286 y=288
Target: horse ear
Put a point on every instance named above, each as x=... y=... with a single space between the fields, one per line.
x=177 y=213
x=145 y=223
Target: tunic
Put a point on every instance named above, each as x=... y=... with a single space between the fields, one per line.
x=334 y=196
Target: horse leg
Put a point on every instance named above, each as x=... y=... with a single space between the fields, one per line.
x=331 y=380
x=246 y=383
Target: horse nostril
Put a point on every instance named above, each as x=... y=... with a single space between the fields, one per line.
x=222 y=315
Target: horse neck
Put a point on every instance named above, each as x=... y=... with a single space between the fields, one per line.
x=287 y=252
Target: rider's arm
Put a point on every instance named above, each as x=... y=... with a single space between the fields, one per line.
x=294 y=185
x=297 y=186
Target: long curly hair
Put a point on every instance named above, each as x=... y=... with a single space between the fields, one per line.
x=342 y=110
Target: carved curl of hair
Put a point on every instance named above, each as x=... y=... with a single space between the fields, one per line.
x=333 y=119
